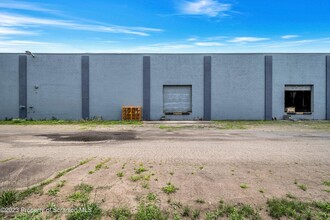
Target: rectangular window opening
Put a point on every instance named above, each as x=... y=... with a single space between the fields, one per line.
x=177 y=99
x=298 y=99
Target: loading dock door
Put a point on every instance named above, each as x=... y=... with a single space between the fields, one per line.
x=298 y=98
x=177 y=99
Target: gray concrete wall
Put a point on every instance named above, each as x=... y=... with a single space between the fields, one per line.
x=58 y=78
x=176 y=70
x=238 y=87
x=115 y=80
x=237 y=84
x=305 y=69
x=9 y=86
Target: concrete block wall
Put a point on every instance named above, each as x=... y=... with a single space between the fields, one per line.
x=237 y=82
x=54 y=87
x=176 y=70
x=9 y=86
x=238 y=87
x=115 y=80
x=305 y=69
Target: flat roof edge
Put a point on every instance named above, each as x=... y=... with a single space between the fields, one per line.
x=316 y=53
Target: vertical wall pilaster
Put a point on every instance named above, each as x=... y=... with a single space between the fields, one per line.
x=146 y=88
x=327 y=85
x=268 y=87
x=22 y=72
x=207 y=87
x=85 y=87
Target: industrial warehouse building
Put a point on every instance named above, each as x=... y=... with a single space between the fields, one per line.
x=174 y=86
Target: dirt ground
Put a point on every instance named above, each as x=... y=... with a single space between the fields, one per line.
x=202 y=161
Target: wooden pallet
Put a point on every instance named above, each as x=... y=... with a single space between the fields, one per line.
x=132 y=113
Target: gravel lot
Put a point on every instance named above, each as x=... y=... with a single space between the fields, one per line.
x=201 y=160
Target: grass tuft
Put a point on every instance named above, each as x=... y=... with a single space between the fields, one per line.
x=239 y=211
x=81 y=193
x=176 y=216
x=34 y=215
x=290 y=196
x=149 y=211
x=200 y=201
x=326 y=183
x=63 y=172
x=120 y=174
x=243 y=186
x=8 y=198
x=151 y=197
x=169 y=188
x=26 y=193
x=78 y=197
x=120 y=213
x=229 y=125
x=195 y=214
x=86 y=211
x=140 y=169
x=135 y=178
x=46 y=182
x=172 y=128
x=147 y=177
x=302 y=187
x=54 y=191
x=145 y=185
x=186 y=211
x=84 y=188
x=279 y=208
x=52 y=207
x=67 y=122
x=99 y=166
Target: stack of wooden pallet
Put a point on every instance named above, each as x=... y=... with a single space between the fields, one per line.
x=132 y=113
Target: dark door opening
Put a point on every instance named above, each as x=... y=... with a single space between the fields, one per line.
x=298 y=99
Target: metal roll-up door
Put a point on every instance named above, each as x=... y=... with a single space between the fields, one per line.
x=298 y=88
x=177 y=99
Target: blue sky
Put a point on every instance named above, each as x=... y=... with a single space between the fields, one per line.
x=175 y=26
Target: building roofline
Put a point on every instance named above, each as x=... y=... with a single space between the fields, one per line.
x=168 y=53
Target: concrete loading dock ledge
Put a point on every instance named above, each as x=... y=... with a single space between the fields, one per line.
x=177 y=86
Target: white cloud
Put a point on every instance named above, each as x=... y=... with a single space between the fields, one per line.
x=14 y=20
x=192 y=39
x=22 y=45
x=289 y=36
x=295 y=43
x=211 y=8
x=24 y=42
x=111 y=41
x=208 y=44
x=246 y=39
x=169 y=47
x=5 y=31
x=23 y=6
x=216 y=38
